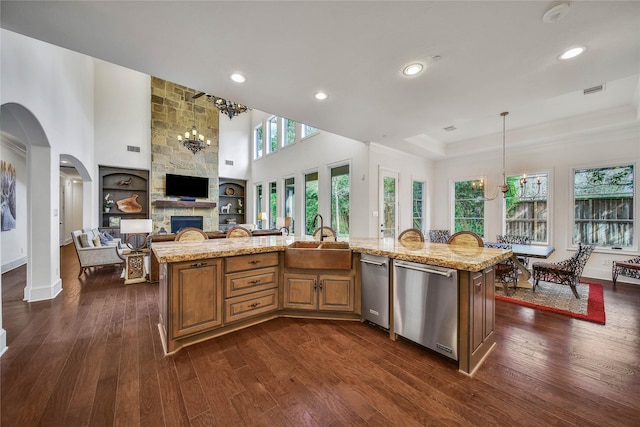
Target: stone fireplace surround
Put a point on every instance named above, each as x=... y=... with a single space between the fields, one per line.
x=172 y=113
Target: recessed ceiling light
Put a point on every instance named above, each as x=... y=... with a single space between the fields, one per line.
x=573 y=52
x=412 y=69
x=320 y=96
x=238 y=78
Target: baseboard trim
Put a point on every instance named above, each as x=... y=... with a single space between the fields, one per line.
x=43 y=293
x=14 y=264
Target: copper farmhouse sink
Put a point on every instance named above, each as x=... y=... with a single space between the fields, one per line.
x=318 y=255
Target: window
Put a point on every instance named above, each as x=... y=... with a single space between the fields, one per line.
x=603 y=205
x=258 y=141
x=308 y=130
x=340 y=191
x=272 y=125
x=418 y=205
x=468 y=207
x=273 y=204
x=310 y=201
x=258 y=205
x=289 y=201
x=526 y=208
x=289 y=132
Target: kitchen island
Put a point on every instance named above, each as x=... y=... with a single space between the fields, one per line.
x=213 y=287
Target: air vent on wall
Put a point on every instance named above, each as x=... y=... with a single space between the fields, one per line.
x=449 y=128
x=228 y=162
x=133 y=148
x=594 y=89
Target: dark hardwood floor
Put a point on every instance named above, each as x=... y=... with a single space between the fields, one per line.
x=92 y=356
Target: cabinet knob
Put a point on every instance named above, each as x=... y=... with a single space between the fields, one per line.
x=254 y=282
x=255 y=261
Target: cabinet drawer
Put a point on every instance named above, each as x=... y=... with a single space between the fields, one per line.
x=246 y=262
x=239 y=308
x=246 y=282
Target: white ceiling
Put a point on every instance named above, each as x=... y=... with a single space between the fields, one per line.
x=494 y=56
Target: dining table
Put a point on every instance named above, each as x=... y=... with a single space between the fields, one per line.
x=530 y=251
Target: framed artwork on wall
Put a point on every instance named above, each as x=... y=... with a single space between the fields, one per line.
x=8 y=185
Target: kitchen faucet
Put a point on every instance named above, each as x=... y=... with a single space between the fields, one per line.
x=315 y=220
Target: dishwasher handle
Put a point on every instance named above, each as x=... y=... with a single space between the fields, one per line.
x=446 y=273
x=377 y=264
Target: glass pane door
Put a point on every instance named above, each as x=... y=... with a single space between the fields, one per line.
x=389 y=204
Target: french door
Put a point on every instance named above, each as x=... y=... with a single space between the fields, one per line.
x=388 y=198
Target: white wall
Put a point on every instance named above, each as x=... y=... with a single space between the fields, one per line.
x=618 y=144
x=235 y=146
x=409 y=168
x=14 y=242
x=318 y=152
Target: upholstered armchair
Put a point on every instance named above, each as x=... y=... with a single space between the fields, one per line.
x=567 y=272
x=92 y=255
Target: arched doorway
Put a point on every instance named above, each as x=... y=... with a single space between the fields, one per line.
x=43 y=277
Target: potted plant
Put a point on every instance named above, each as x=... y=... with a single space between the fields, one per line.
x=108 y=202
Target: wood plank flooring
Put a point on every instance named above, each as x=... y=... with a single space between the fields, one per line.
x=92 y=356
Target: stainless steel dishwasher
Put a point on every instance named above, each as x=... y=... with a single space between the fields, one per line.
x=375 y=289
x=425 y=306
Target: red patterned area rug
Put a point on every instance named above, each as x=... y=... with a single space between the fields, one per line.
x=559 y=299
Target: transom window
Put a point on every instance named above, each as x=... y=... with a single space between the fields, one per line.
x=289 y=136
x=258 y=141
x=603 y=201
x=272 y=125
x=308 y=130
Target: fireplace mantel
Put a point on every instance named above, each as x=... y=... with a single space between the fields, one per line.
x=183 y=204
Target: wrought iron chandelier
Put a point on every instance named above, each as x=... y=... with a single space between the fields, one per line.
x=193 y=140
x=227 y=107
x=523 y=192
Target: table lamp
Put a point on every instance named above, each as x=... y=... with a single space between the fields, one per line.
x=136 y=231
x=263 y=218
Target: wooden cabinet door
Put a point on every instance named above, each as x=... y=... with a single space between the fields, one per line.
x=300 y=291
x=196 y=296
x=477 y=310
x=336 y=293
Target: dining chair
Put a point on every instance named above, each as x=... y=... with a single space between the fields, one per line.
x=191 y=234
x=411 y=235
x=567 y=272
x=325 y=233
x=238 y=231
x=516 y=240
x=466 y=238
x=505 y=271
x=439 y=236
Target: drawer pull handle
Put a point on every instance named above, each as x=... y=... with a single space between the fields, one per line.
x=255 y=261
x=254 y=282
x=254 y=305
x=198 y=264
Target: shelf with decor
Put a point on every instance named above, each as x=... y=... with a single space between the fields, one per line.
x=123 y=193
x=231 y=202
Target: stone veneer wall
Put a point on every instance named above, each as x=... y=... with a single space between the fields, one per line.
x=172 y=114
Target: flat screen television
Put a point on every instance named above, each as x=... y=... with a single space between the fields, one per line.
x=187 y=186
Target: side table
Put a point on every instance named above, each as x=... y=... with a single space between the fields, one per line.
x=135 y=271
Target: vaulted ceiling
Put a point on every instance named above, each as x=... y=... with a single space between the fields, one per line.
x=481 y=58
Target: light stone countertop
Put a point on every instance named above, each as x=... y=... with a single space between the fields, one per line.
x=450 y=256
